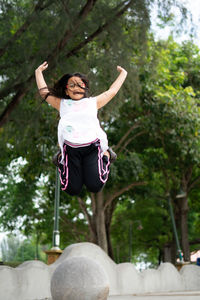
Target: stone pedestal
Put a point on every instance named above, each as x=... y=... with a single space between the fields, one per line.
x=180 y=264
x=52 y=255
x=79 y=278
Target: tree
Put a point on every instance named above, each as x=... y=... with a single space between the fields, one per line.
x=55 y=33
x=166 y=140
x=172 y=97
x=9 y=248
x=92 y=27
x=14 y=249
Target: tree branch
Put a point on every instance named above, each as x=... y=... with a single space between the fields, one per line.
x=72 y=228
x=99 y=30
x=23 y=88
x=19 y=95
x=89 y=219
x=24 y=27
x=124 y=137
x=83 y=13
x=167 y=182
x=130 y=140
x=193 y=183
x=11 y=106
x=65 y=5
x=60 y=45
x=123 y=190
x=69 y=33
x=93 y=202
x=194 y=242
x=84 y=209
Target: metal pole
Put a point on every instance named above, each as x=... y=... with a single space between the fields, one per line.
x=56 y=233
x=130 y=240
x=174 y=228
x=118 y=258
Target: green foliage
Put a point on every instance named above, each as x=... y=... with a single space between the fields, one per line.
x=168 y=147
x=31 y=33
x=148 y=216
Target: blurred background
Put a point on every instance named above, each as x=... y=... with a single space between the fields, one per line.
x=149 y=210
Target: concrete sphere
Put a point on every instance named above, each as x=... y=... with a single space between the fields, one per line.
x=79 y=278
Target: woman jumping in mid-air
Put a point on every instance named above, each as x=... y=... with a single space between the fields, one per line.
x=85 y=156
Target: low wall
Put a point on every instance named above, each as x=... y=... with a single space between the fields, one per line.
x=84 y=271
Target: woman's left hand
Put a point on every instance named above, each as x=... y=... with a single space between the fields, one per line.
x=120 y=69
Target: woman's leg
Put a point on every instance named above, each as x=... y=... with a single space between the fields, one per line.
x=95 y=168
x=71 y=171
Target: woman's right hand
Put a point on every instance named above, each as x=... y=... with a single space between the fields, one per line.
x=42 y=67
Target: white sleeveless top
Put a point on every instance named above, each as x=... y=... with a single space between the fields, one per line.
x=79 y=123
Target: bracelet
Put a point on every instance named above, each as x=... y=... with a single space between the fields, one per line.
x=43 y=88
x=46 y=96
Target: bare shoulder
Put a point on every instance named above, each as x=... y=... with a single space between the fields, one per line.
x=54 y=102
x=104 y=98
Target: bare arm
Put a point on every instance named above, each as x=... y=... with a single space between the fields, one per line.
x=43 y=89
x=105 y=97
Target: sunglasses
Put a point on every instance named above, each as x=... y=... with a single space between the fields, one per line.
x=73 y=85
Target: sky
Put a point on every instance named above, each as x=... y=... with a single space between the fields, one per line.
x=194 y=7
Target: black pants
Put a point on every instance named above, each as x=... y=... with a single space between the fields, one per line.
x=83 y=165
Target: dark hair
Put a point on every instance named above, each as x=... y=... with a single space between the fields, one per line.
x=59 y=88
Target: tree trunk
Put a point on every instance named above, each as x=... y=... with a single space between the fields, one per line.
x=96 y=222
x=108 y=218
x=182 y=209
x=184 y=228
x=100 y=222
x=169 y=252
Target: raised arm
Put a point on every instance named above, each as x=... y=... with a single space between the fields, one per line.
x=43 y=89
x=105 y=97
